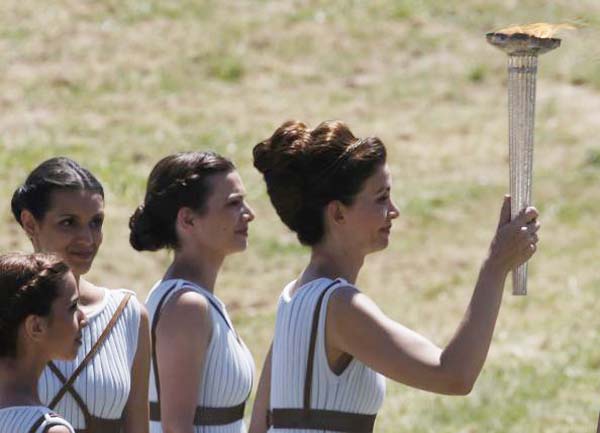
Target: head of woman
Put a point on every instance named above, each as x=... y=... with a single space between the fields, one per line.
x=326 y=182
x=38 y=307
x=194 y=201
x=61 y=208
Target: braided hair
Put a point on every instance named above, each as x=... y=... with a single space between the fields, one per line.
x=29 y=284
x=176 y=181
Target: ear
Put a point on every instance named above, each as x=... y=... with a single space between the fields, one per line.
x=335 y=212
x=30 y=224
x=186 y=219
x=35 y=327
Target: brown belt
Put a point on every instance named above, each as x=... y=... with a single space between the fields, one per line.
x=318 y=419
x=207 y=415
x=101 y=425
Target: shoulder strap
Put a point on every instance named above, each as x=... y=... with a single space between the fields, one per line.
x=36 y=425
x=68 y=384
x=311 y=347
x=153 y=337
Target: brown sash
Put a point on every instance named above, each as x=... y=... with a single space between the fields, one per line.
x=318 y=419
x=203 y=415
x=93 y=424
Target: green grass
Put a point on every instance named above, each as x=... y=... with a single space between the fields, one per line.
x=119 y=84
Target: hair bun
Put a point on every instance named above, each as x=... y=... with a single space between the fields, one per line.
x=287 y=142
x=143 y=235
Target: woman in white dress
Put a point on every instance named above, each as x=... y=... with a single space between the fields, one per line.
x=332 y=344
x=39 y=321
x=104 y=389
x=201 y=374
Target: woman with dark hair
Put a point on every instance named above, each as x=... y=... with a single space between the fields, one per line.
x=39 y=321
x=332 y=344
x=201 y=374
x=105 y=388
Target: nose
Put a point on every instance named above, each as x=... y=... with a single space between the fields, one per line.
x=86 y=234
x=82 y=319
x=393 y=211
x=248 y=212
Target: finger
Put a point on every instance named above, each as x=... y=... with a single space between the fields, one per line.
x=504 y=212
x=533 y=226
x=526 y=216
x=534 y=238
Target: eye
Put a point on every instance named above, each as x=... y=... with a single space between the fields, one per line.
x=73 y=306
x=97 y=222
x=66 y=222
x=383 y=198
x=235 y=202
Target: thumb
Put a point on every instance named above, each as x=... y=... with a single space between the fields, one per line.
x=504 y=212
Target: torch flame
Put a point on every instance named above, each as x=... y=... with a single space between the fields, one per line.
x=537 y=30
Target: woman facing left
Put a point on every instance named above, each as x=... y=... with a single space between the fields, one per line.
x=105 y=388
x=39 y=321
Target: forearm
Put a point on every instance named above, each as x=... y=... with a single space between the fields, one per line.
x=464 y=356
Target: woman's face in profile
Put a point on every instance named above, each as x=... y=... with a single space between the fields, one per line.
x=71 y=228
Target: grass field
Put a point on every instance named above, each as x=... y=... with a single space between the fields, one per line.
x=117 y=85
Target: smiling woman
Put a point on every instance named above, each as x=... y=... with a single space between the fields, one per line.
x=61 y=209
x=202 y=372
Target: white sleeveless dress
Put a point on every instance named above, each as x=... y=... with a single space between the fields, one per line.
x=358 y=389
x=22 y=419
x=105 y=383
x=228 y=367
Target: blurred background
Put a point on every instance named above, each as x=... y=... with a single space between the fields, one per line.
x=118 y=84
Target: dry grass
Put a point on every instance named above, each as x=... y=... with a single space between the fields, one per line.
x=119 y=84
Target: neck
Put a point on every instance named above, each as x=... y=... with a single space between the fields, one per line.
x=201 y=269
x=328 y=261
x=19 y=380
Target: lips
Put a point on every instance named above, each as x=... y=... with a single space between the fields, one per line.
x=243 y=232
x=85 y=255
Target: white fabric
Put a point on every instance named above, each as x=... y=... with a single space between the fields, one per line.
x=105 y=383
x=21 y=419
x=358 y=389
x=228 y=366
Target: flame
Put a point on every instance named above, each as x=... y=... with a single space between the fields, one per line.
x=537 y=30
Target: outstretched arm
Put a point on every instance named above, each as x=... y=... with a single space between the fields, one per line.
x=357 y=326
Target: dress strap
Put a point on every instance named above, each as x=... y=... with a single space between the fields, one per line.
x=318 y=419
x=68 y=383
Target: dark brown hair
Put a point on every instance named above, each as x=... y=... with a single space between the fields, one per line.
x=306 y=169
x=29 y=284
x=176 y=181
x=53 y=174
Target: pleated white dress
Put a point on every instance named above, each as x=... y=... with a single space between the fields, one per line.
x=29 y=419
x=228 y=367
x=358 y=389
x=105 y=383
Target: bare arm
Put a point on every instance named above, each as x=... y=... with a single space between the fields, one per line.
x=136 y=409
x=356 y=326
x=258 y=424
x=182 y=336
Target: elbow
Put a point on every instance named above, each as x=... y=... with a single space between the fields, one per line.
x=460 y=384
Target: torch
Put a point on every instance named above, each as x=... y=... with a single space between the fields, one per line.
x=523 y=44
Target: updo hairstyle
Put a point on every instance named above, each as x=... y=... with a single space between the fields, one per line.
x=306 y=169
x=176 y=181
x=29 y=284
x=53 y=174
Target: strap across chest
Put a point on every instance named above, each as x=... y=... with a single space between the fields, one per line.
x=318 y=419
x=93 y=424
